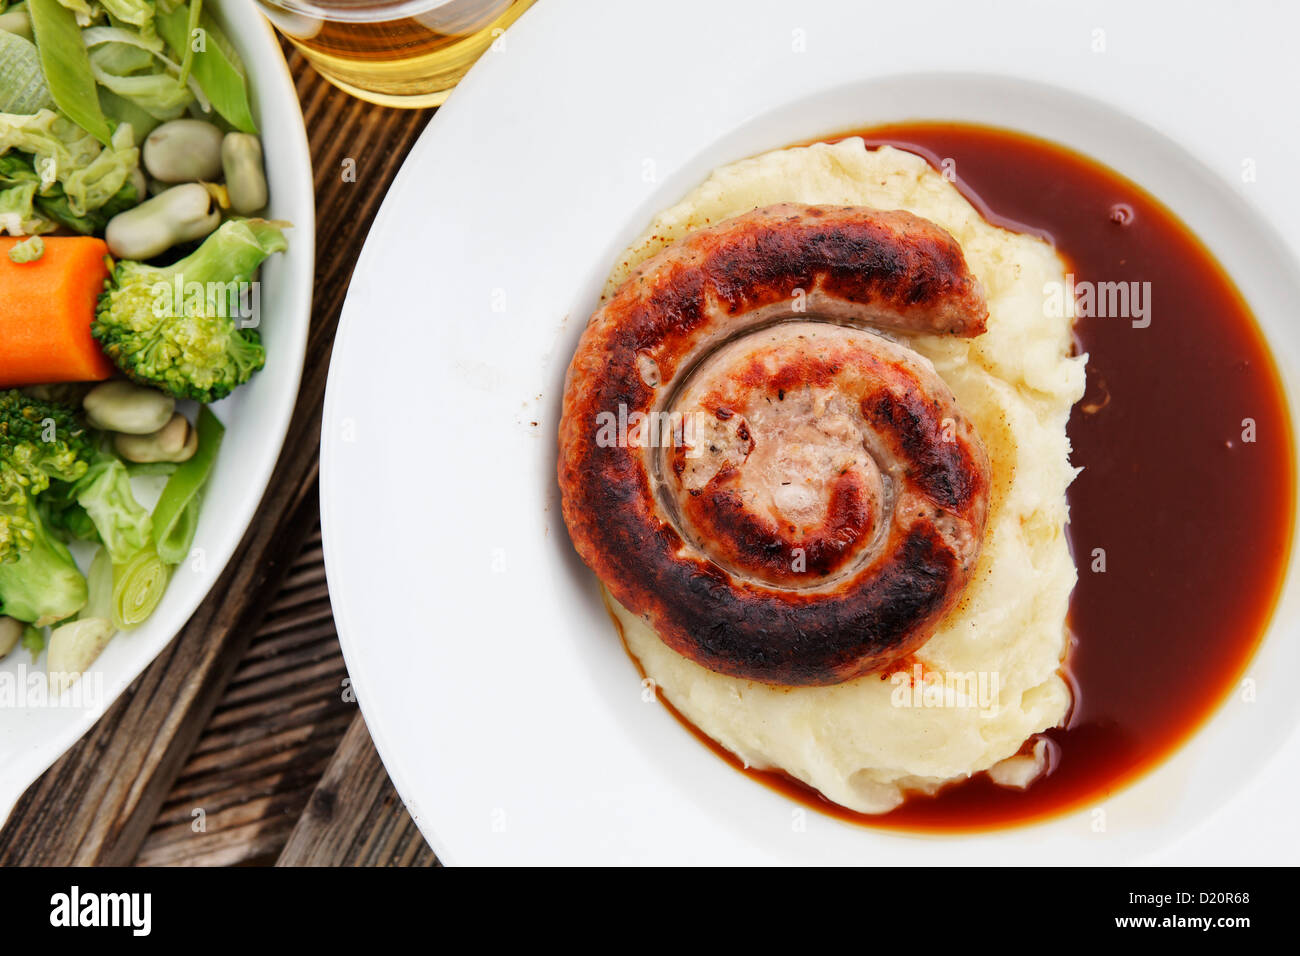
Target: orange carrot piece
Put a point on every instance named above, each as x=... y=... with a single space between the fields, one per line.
x=46 y=308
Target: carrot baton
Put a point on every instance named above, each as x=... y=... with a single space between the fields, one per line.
x=46 y=308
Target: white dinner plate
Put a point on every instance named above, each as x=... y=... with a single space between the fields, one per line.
x=256 y=417
x=504 y=707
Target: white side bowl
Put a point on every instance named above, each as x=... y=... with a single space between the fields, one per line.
x=256 y=419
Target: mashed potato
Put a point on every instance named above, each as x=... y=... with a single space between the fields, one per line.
x=989 y=678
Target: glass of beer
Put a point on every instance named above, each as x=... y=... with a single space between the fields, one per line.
x=407 y=53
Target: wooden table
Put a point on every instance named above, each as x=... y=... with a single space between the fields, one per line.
x=239 y=745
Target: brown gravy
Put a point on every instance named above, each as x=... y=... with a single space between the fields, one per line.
x=1195 y=522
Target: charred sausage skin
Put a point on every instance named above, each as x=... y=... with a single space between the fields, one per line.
x=828 y=510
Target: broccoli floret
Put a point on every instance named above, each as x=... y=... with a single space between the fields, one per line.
x=40 y=442
x=44 y=584
x=172 y=327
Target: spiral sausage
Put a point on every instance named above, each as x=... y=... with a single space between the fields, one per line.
x=784 y=493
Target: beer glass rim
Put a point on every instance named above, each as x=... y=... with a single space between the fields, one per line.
x=356 y=11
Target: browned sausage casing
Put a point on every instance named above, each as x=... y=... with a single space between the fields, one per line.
x=784 y=493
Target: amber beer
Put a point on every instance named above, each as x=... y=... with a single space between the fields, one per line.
x=394 y=52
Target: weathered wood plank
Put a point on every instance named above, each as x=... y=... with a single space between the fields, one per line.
x=252 y=772
x=355 y=817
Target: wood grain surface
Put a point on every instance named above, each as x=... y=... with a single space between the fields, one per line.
x=242 y=714
x=269 y=739
x=354 y=817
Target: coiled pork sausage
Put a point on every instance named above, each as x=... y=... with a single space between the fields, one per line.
x=753 y=459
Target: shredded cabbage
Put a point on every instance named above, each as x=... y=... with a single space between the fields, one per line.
x=67 y=159
x=22 y=84
x=17 y=216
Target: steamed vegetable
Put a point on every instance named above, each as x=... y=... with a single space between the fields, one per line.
x=138 y=587
x=29 y=207
x=176 y=515
x=67 y=66
x=64 y=176
x=46 y=307
x=132 y=68
x=135 y=61
x=40 y=442
x=33 y=640
x=180 y=214
x=73 y=648
x=175 y=442
x=22 y=84
x=18 y=215
x=42 y=584
x=11 y=632
x=16 y=22
x=130 y=409
x=188 y=345
x=29 y=250
x=216 y=68
x=83 y=81
x=184 y=151
x=104 y=494
x=241 y=162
